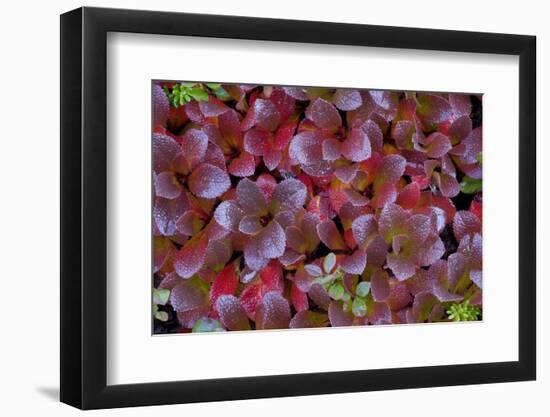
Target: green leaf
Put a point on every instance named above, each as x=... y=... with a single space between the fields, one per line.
x=207 y=324
x=198 y=94
x=363 y=288
x=161 y=296
x=329 y=262
x=336 y=291
x=479 y=158
x=470 y=185
x=359 y=307
x=213 y=86
x=161 y=315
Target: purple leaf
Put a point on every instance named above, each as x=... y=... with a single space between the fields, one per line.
x=273 y=312
x=208 y=181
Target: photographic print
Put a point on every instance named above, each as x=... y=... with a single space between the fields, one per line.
x=285 y=207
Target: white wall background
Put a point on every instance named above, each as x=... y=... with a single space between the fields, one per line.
x=29 y=213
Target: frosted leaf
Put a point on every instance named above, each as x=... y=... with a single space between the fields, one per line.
x=347 y=99
x=189 y=294
x=309 y=319
x=161 y=106
x=423 y=305
x=166 y=185
x=432 y=250
x=313 y=270
x=288 y=195
x=193 y=111
x=272 y=158
x=243 y=166
x=164 y=150
x=218 y=253
x=460 y=129
x=228 y=215
x=448 y=185
x=465 y=223
x=461 y=105
x=290 y=257
x=190 y=259
x=385 y=193
x=379 y=313
x=329 y=263
x=214 y=156
x=323 y=114
x=346 y=173
x=391 y=168
x=256 y=141
x=306 y=148
x=272 y=277
x=232 y=314
x=193 y=146
x=250 y=197
x=331 y=149
x=254 y=260
x=337 y=315
x=298 y=298
x=380 y=287
x=208 y=181
x=376 y=251
x=401 y=267
x=162 y=250
x=213 y=107
x=355 y=263
x=409 y=196
x=402 y=133
x=273 y=312
x=356 y=147
x=457 y=265
x=437 y=145
x=250 y=225
x=271 y=240
x=476 y=277
x=374 y=134
x=189 y=223
x=230 y=127
x=392 y=218
x=419 y=227
x=363 y=227
x=330 y=235
x=433 y=109
x=298 y=93
x=225 y=283
x=320 y=169
x=356 y=199
x=295 y=239
x=266 y=114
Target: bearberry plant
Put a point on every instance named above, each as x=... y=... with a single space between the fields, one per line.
x=293 y=207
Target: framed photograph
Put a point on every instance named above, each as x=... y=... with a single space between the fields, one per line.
x=255 y=208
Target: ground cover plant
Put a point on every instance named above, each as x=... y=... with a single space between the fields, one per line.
x=293 y=207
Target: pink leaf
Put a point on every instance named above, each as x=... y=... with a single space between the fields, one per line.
x=190 y=259
x=251 y=198
x=323 y=114
x=347 y=99
x=306 y=148
x=208 y=181
x=337 y=316
x=465 y=223
x=273 y=312
x=309 y=319
x=242 y=166
x=189 y=294
x=355 y=263
x=161 y=106
x=266 y=114
x=271 y=241
x=356 y=147
x=299 y=298
x=228 y=215
x=213 y=107
x=289 y=195
x=380 y=287
x=330 y=235
x=167 y=186
x=232 y=314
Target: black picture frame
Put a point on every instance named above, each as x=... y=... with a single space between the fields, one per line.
x=84 y=207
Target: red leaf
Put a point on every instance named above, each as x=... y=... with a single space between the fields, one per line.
x=190 y=259
x=226 y=282
x=299 y=298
